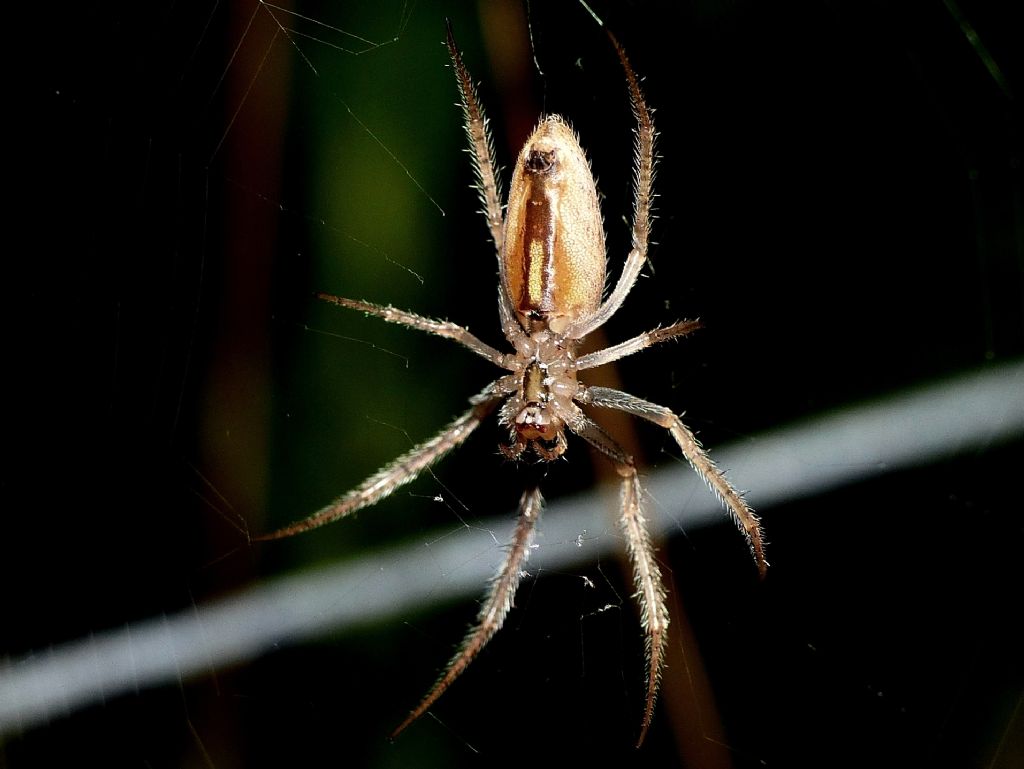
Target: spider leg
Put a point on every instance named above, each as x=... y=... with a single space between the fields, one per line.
x=442 y=328
x=402 y=470
x=494 y=609
x=643 y=166
x=478 y=131
x=481 y=144
x=742 y=514
x=636 y=344
x=650 y=589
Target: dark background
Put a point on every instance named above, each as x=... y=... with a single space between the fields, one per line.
x=840 y=201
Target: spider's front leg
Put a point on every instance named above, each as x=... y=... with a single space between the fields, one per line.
x=494 y=609
x=745 y=518
x=650 y=589
x=402 y=470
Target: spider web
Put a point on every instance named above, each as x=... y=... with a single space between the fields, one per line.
x=840 y=202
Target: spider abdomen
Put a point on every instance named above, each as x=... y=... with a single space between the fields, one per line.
x=553 y=259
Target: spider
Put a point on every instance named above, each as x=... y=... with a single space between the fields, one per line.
x=551 y=258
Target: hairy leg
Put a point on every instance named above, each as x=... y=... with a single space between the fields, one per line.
x=742 y=514
x=494 y=609
x=442 y=328
x=399 y=472
x=643 y=169
x=650 y=589
x=482 y=146
x=636 y=344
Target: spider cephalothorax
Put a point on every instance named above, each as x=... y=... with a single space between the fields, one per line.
x=551 y=258
x=541 y=407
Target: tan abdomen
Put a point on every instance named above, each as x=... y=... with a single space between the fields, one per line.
x=553 y=260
